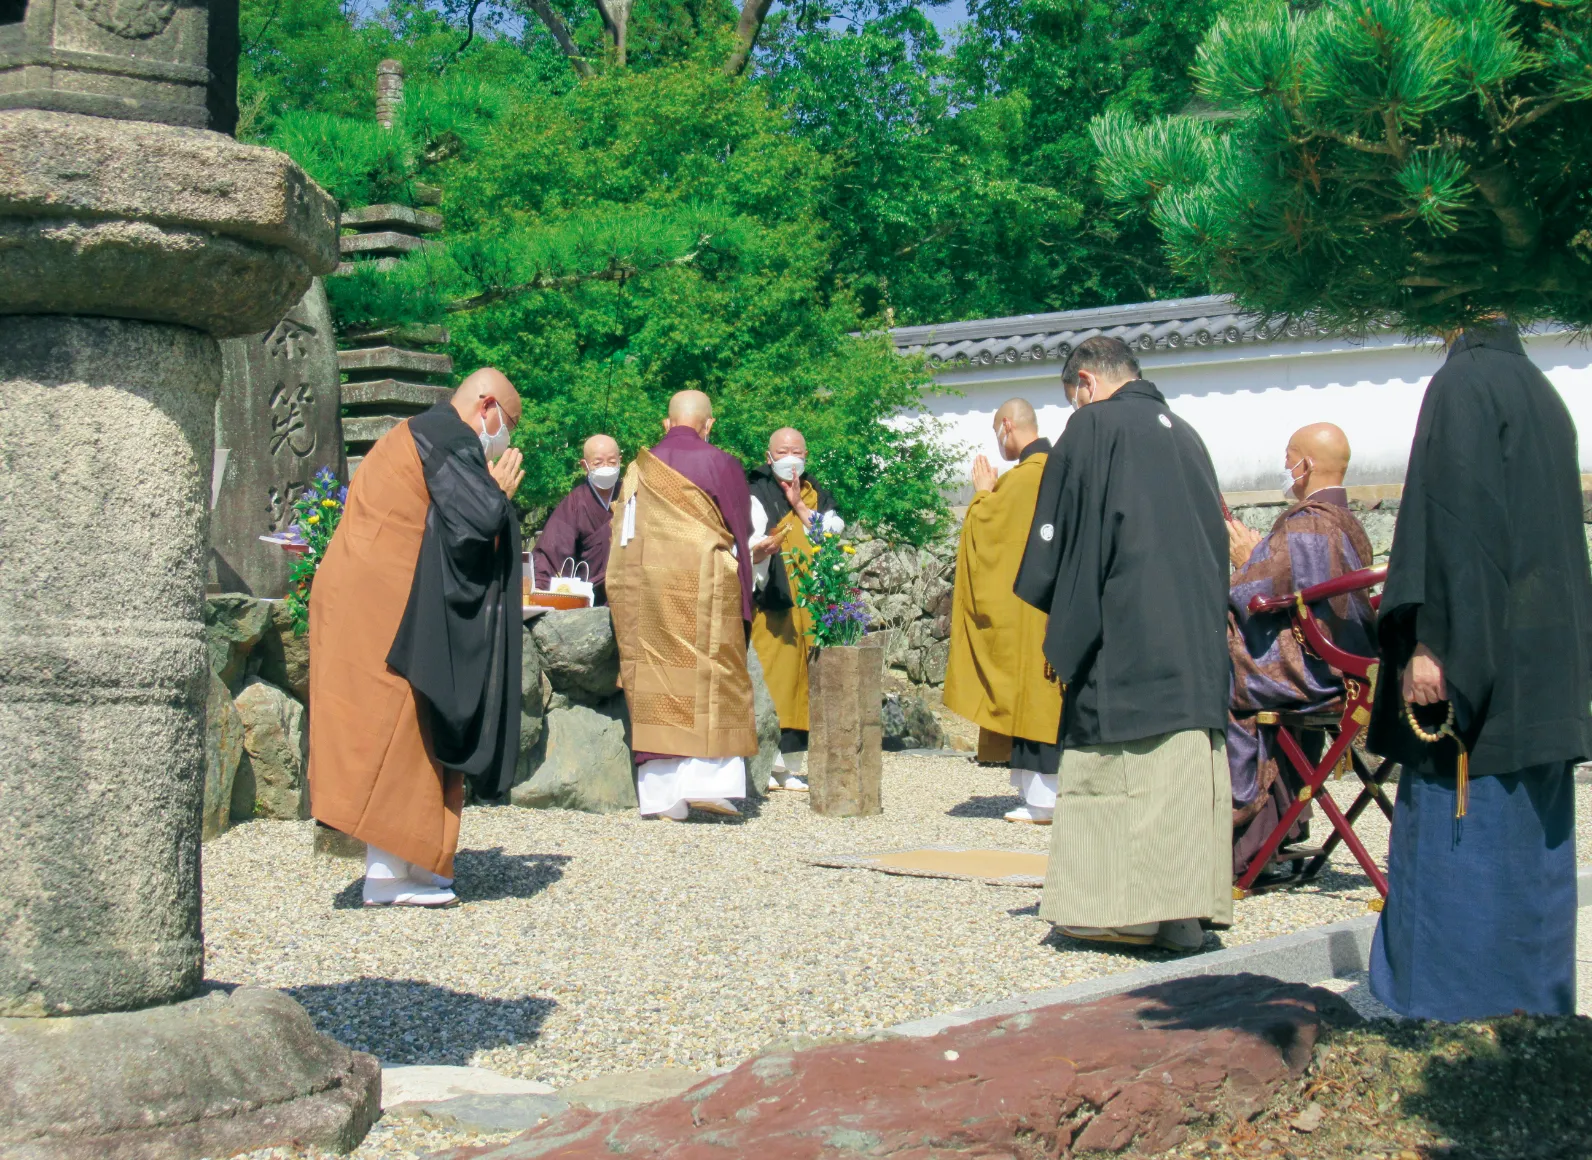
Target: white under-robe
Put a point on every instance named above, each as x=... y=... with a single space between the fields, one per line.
x=665 y=782
x=1037 y=789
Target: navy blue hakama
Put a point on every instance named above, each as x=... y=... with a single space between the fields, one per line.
x=1481 y=910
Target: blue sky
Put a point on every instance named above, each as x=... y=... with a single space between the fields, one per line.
x=948 y=16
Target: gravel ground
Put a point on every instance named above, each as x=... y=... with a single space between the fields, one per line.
x=588 y=945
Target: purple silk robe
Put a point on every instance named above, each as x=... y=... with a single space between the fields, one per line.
x=721 y=476
x=1317 y=539
x=578 y=530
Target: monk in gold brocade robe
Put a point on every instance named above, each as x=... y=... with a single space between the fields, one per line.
x=680 y=588
x=785 y=505
x=997 y=676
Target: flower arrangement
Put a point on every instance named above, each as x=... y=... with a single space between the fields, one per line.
x=826 y=589
x=316 y=511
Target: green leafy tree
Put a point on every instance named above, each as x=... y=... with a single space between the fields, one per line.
x=1420 y=163
x=704 y=266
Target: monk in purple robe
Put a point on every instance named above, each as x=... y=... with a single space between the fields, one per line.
x=575 y=538
x=1315 y=540
x=680 y=586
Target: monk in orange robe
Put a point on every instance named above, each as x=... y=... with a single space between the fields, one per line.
x=415 y=640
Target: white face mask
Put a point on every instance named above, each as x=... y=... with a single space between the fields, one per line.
x=496 y=444
x=603 y=478
x=1288 y=482
x=789 y=467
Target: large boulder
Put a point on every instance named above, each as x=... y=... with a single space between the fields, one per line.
x=282 y=657
x=582 y=762
x=234 y=624
x=760 y=767
x=532 y=705
x=223 y=752
x=1126 y=1072
x=271 y=781
x=907 y=723
x=578 y=653
x=208 y=1077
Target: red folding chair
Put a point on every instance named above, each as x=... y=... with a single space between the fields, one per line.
x=1359 y=684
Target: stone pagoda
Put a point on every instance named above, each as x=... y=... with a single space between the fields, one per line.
x=386 y=379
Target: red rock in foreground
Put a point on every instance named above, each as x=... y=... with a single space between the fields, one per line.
x=1126 y=1070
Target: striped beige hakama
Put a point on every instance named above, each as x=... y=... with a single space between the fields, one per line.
x=1142 y=833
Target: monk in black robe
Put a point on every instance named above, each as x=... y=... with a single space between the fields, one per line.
x=415 y=641
x=1487 y=613
x=1128 y=555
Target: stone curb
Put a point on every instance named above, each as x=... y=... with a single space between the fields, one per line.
x=1306 y=956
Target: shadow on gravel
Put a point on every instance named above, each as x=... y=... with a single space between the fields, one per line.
x=409 y=1021
x=482 y=876
x=984 y=807
x=1055 y=940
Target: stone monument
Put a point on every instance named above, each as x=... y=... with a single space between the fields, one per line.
x=128 y=246
x=278 y=422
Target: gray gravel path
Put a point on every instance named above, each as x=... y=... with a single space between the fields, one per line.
x=589 y=945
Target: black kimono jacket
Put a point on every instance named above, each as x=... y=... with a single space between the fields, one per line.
x=776 y=596
x=1128 y=555
x=458 y=644
x=1489 y=568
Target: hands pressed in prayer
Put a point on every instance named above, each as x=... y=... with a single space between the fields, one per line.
x=1241 y=542
x=1423 y=678
x=507 y=471
x=765 y=548
x=984 y=474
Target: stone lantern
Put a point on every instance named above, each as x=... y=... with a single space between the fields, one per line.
x=170 y=61
x=132 y=238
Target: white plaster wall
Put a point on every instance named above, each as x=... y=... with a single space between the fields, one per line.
x=1245 y=401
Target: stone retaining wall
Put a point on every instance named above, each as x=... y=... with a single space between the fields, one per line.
x=908 y=590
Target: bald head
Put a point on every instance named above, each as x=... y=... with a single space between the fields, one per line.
x=786 y=441
x=1317 y=457
x=1016 y=426
x=599 y=451
x=482 y=393
x=691 y=409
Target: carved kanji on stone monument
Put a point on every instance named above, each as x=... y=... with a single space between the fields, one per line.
x=278 y=423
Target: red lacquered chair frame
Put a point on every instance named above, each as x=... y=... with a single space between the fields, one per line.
x=1359 y=682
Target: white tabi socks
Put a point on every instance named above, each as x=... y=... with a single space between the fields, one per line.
x=1039 y=797
x=390 y=881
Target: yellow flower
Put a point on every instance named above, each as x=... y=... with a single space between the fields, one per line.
x=331 y=503
x=848 y=549
x=315 y=519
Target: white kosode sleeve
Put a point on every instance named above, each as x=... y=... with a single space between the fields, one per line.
x=832 y=522
x=759 y=531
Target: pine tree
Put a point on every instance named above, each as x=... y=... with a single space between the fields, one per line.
x=1414 y=163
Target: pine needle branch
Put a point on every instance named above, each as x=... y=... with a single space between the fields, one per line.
x=614 y=272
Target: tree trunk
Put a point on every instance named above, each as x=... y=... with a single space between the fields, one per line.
x=843 y=748
x=555 y=25
x=753 y=14
x=616 y=19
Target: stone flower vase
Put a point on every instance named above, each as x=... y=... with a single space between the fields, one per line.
x=843 y=742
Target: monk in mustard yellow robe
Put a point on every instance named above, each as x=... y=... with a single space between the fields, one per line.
x=787 y=506
x=997 y=676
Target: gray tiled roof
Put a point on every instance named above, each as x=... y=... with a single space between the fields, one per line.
x=1146 y=326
